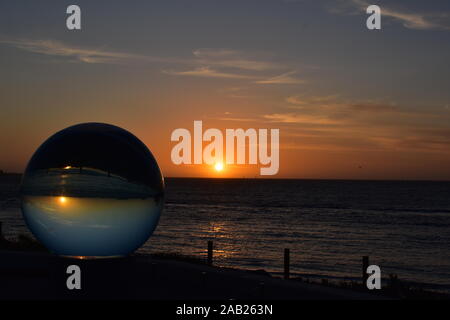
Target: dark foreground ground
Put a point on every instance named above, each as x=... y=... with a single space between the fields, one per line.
x=35 y=275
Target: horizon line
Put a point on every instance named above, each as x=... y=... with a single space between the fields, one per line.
x=284 y=178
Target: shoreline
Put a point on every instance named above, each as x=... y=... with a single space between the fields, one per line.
x=42 y=276
x=32 y=275
x=28 y=249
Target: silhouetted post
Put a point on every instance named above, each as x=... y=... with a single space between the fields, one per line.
x=365 y=265
x=210 y=253
x=286 y=263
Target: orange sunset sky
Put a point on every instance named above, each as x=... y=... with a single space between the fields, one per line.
x=350 y=103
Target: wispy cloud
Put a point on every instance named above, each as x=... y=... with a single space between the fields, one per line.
x=410 y=20
x=229 y=58
x=234 y=119
x=206 y=72
x=304 y=101
x=330 y=120
x=285 y=78
x=233 y=64
x=86 y=55
x=205 y=63
x=333 y=122
x=299 y=118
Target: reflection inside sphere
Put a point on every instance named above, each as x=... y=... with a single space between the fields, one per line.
x=92 y=190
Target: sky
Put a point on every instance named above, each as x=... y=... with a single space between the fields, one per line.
x=350 y=103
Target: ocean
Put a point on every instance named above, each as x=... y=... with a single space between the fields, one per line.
x=328 y=225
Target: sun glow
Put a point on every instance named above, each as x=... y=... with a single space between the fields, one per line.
x=62 y=200
x=218 y=166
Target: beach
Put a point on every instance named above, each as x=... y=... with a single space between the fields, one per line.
x=42 y=276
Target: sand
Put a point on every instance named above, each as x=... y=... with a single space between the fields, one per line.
x=32 y=275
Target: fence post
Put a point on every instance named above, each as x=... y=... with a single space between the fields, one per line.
x=286 y=263
x=365 y=265
x=210 y=252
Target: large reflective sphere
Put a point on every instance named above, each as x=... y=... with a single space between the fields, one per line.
x=92 y=190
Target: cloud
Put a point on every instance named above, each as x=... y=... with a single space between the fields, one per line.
x=332 y=122
x=410 y=20
x=332 y=112
x=302 y=101
x=335 y=104
x=299 y=118
x=55 y=48
x=86 y=55
x=232 y=64
x=206 y=62
x=416 y=138
x=229 y=58
x=206 y=72
x=235 y=119
x=285 y=78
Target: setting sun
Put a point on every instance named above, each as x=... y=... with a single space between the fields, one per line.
x=62 y=200
x=218 y=166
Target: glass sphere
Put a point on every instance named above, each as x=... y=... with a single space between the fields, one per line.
x=92 y=190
